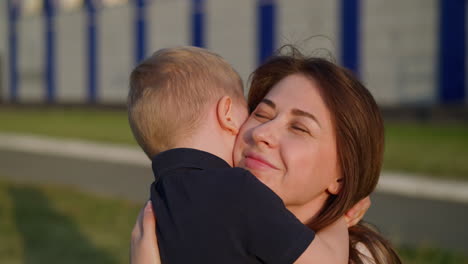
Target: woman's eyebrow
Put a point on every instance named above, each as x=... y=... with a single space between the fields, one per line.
x=295 y=111
x=269 y=103
x=298 y=112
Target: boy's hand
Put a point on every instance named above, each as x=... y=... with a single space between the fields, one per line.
x=144 y=245
x=357 y=212
x=330 y=245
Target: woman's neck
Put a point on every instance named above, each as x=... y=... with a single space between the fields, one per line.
x=306 y=212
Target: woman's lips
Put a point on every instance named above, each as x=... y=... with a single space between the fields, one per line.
x=253 y=161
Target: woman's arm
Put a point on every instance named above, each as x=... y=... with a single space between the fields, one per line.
x=144 y=245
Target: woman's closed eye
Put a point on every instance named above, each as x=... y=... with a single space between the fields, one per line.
x=300 y=128
x=262 y=116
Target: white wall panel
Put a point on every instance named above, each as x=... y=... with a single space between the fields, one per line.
x=31 y=59
x=231 y=32
x=71 y=57
x=399 y=43
x=311 y=25
x=116 y=49
x=168 y=24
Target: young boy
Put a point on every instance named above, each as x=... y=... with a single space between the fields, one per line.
x=186 y=106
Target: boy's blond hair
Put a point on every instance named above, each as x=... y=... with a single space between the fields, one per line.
x=171 y=91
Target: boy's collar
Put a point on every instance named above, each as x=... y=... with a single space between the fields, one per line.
x=186 y=158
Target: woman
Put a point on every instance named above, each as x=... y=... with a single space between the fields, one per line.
x=315 y=137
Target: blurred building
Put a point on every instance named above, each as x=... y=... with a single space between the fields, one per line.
x=407 y=52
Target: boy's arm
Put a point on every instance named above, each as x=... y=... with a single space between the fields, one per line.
x=331 y=245
x=275 y=235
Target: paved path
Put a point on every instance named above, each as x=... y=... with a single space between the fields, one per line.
x=114 y=179
x=420 y=221
x=423 y=215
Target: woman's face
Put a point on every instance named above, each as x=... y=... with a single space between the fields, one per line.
x=288 y=143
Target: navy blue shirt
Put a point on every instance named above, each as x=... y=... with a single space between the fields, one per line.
x=209 y=212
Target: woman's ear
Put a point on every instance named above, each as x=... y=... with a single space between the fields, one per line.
x=335 y=187
x=226 y=115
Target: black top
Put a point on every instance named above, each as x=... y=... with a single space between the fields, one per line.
x=208 y=212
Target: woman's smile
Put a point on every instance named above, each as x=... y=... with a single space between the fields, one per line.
x=256 y=161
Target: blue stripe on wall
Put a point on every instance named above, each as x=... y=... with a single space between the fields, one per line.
x=452 y=52
x=13 y=14
x=92 y=47
x=350 y=34
x=49 y=14
x=140 y=30
x=266 y=29
x=198 y=23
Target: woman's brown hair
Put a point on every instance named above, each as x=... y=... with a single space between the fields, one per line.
x=359 y=136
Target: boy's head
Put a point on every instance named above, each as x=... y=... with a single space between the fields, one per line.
x=171 y=92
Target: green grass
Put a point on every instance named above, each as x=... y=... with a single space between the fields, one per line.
x=54 y=225
x=90 y=124
x=427 y=149
x=51 y=224
x=430 y=255
x=439 y=150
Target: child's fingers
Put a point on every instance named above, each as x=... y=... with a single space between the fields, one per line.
x=144 y=245
x=352 y=221
x=137 y=231
x=357 y=212
x=148 y=221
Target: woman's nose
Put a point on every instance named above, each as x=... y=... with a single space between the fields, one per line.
x=265 y=134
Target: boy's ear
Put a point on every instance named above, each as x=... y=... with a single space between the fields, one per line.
x=226 y=115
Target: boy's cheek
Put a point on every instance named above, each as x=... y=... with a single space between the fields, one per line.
x=237 y=150
x=245 y=115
